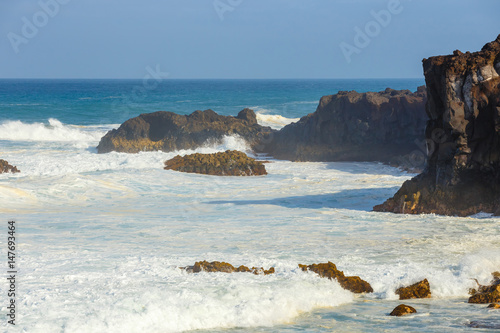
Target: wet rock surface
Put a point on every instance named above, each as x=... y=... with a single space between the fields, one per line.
x=228 y=163
x=330 y=271
x=487 y=294
x=224 y=267
x=5 y=167
x=402 y=310
x=420 y=289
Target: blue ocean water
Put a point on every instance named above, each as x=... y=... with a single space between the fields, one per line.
x=101 y=237
x=93 y=102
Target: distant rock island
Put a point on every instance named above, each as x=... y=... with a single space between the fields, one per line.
x=228 y=163
x=352 y=126
x=462 y=176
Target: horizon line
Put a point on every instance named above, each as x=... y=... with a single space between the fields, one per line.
x=172 y=79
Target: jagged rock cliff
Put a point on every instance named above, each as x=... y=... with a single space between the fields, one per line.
x=168 y=131
x=462 y=176
x=351 y=126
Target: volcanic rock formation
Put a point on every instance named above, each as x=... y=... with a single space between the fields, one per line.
x=168 y=131
x=349 y=126
x=462 y=175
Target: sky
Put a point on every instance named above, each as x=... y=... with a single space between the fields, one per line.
x=245 y=39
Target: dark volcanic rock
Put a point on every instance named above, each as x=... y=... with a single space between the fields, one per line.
x=487 y=294
x=6 y=167
x=224 y=267
x=420 y=289
x=228 y=163
x=462 y=176
x=402 y=310
x=168 y=131
x=330 y=271
x=350 y=126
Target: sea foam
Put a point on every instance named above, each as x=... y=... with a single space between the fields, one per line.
x=53 y=131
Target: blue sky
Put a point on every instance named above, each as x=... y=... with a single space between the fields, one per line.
x=237 y=38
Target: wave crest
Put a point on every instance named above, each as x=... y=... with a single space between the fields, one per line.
x=53 y=131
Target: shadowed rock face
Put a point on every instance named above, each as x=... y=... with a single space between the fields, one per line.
x=352 y=283
x=168 y=131
x=228 y=163
x=351 y=126
x=462 y=176
x=6 y=167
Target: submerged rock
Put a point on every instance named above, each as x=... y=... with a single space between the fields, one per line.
x=386 y=126
x=462 y=176
x=487 y=294
x=228 y=163
x=420 y=289
x=330 y=271
x=167 y=131
x=224 y=267
x=5 y=167
x=402 y=310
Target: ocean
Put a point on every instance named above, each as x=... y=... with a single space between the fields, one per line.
x=100 y=237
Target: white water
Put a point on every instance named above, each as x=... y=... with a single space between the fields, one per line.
x=102 y=237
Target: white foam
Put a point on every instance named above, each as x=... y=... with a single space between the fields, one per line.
x=53 y=131
x=274 y=121
x=162 y=298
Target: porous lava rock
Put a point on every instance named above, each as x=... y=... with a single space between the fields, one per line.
x=402 y=310
x=224 y=267
x=487 y=294
x=328 y=270
x=228 y=163
x=5 y=167
x=421 y=289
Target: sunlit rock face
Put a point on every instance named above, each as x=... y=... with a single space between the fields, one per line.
x=462 y=176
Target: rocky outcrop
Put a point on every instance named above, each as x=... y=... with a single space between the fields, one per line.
x=402 y=310
x=5 y=167
x=462 y=176
x=352 y=283
x=349 y=126
x=228 y=163
x=420 y=289
x=168 y=131
x=224 y=267
x=487 y=294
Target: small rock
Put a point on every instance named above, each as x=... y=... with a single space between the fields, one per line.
x=494 y=306
x=487 y=294
x=352 y=283
x=6 y=167
x=228 y=163
x=402 y=310
x=420 y=289
x=224 y=267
